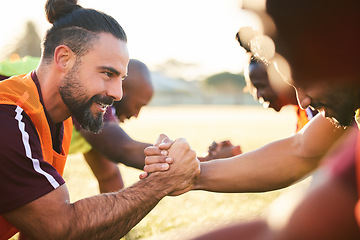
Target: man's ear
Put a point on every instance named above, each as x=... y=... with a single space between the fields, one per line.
x=64 y=58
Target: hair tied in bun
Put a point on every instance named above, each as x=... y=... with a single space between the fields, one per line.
x=55 y=9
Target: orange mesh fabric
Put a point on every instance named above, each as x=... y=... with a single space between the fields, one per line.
x=302 y=118
x=21 y=91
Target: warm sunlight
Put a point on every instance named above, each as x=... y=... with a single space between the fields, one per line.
x=201 y=33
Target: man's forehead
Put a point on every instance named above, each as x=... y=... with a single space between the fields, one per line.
x=110 y=52
x=257 y=81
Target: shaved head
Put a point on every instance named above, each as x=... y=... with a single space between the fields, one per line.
x=138 y=77
x=138 y=91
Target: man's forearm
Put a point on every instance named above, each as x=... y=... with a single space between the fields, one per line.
x=111 y=216
x=126 y=208
x=105 y=216
x=273 y=166
x=264 y=169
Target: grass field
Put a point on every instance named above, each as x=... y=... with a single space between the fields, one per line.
x=198 y=211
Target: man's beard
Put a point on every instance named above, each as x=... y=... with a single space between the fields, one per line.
x=344 y=118
x=342 y=122
x=345 y=113
x=74 y=96
x=80 y=110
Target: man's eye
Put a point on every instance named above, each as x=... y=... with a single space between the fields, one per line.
x=109 y=74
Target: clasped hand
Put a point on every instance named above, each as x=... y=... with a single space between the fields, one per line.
x=176 y=157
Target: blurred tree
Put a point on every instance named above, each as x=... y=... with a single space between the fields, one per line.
x=29 y=44
x=225 y=85
x=226 y=82
x=178 y=69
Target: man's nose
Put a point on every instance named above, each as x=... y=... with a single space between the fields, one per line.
x=136 y=114
x=259 y=94
x=303 y=99
x=114 y=89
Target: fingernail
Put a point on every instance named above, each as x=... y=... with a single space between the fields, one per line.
x=168 y=160
x=164 y=166
x=164 y=152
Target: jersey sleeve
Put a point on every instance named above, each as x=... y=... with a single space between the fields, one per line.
x=24 y=175
x=110 y=115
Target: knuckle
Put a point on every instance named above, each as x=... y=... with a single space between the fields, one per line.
x=192 y=153
x=162 y=135
x=182 y=140
x=184 y=145
x=148 y=150
x=147 y=168
x=167 y=141
x=147 y=160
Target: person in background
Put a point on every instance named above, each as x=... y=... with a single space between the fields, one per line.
x=276 y=95
x=112 y=145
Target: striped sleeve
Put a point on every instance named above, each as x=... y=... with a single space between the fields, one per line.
x=24 y=175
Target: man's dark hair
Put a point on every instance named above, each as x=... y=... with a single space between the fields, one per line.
x=76 y=27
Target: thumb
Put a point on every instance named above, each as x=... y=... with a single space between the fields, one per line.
x=236 y=150
x=160 y=139
x=166 y=143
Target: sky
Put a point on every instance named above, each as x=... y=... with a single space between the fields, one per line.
x=200 y=33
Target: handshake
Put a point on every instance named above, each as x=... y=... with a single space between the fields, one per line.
x=178 y=163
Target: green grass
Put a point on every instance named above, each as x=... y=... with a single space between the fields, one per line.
x=197 y=211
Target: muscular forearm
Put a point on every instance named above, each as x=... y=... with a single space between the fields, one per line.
x=105 y=216
x=273 y=166
x=264 y=169
x=111 y=216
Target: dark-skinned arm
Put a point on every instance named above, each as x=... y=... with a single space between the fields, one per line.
x=273 y=166
x=117 y=146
